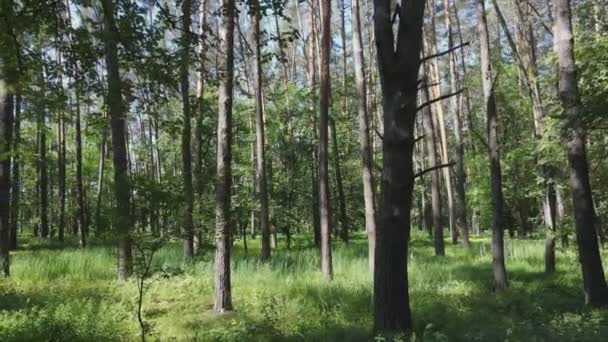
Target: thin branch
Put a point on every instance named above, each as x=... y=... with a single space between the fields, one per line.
x=419 y=138
x=540 y=18
x=440 y=98
x=442 y=53
x=479 y=137
x=436 y=167
x=378 y=133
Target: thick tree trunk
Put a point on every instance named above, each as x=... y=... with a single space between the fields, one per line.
x=259 y=132
x=6 y=127
x=118 y=124
x=324 y=98
x=500 y=272
x=223 y=287
x=398 y=64
x=367 y=175
x=594 y=281
x=431 y=151
x=188 y=229
x=16 y=176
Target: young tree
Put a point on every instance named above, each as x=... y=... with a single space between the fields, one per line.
x=188 y=228
x=6 y=123
x=398 y=66
x=489 y=104
x=324 y=97
x=364 y=139
x=223 y=288
x=260 y=144
x=118 y=114
x=594 y=281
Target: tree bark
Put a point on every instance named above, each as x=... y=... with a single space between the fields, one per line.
x=198 y=130
x=118 y=123
x=81 y=215
x=500 y=272
x=461 y=210
x=256 y=16
x=6 y=127
x=187 y=131
x=324 y=98
x=367 y=175
x=594 y=281
x=431 y=150
x=16 y=176
x=223 y=288
x=398 y=64
x=341 y=197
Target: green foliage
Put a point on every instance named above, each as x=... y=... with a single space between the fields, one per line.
x=285 y=299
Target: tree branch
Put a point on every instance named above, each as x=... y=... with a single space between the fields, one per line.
x=440 y=98
x=442 y=53
x=436 y=167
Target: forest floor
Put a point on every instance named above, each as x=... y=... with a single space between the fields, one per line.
x=66 y=294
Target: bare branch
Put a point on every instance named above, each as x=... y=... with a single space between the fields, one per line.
x=442 y=53
x=436 y=167
x=440 y=98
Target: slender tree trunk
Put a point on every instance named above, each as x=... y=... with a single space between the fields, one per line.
x=431 y=150
x=338 y=170
x=367 y=174
x=223 y=288
x=6 y=127
x=100 y=181
x=324 y=98
x=16 y=178
x=43 y=175
x=259 y=131
x=500 y=272
x=118 y=126
x=461 y=210
x=594 y=281
x=82 y=221
x=313 y=107
x=187 y=131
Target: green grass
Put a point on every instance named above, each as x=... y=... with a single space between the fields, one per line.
x=72 y=295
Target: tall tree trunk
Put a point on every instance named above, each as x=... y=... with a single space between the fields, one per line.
x=398 y=64
x=594 y=281
x=461 y=210
x=259 y=131
x=313 y=107
x=223 y=288
x=16 y=178
x=61 y=161
x=198 y=130
x=500 y=272
x=187 y=131
x=431 y=150
x=367 y=175
x=338 y=170
x=324 y=98
x=82 y=221
x=441 y=124
x=100 y=179
x=43 y=174
x=6 y=128
x=118 y=125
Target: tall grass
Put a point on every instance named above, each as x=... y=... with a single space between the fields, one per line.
x=72 y=295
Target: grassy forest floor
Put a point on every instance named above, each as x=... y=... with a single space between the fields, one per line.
x=67 y=294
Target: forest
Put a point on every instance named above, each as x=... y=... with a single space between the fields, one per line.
x=303 y=170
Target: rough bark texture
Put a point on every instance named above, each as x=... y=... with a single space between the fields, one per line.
x=367 y=174
x=223 y=287
x=188 y=228
x=324 y=96
x=398 y=64
x=81 y=215
x=6 y=124
x=260 y=144
x=594 y=281
x=500 y=272
x=200 y=115
x=117 y=112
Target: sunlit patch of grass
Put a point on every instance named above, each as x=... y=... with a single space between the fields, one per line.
x=72 y=294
